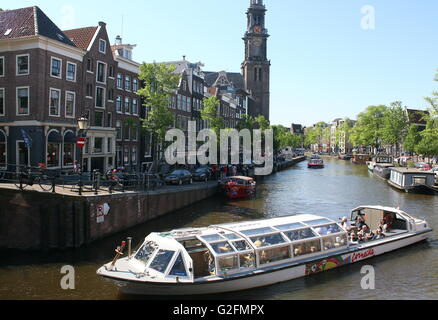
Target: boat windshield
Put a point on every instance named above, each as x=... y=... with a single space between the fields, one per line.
x=145 y=253
x=162 y=260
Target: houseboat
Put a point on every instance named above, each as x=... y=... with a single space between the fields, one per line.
x=346 y=157
x=379 y=159
x=238 y=187
x=383 y=170
x=413 y=180
x=315 y=162
x=252 y=254
x=360 y=158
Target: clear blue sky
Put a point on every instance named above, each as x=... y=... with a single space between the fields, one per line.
x=324 y=64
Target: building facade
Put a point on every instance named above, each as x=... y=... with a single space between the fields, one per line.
x=256 y=66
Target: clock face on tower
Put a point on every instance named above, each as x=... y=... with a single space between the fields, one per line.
x=258 y=42
x=257 y=29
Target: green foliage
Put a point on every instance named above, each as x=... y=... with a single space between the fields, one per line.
x=159 y=83
x=368 y=129
x=283 y=138
x=395 y=124
x=315 y=134
x=262 y=123
x=428 y=146
x=412 y=139
x=246 y=122
x=210 y=113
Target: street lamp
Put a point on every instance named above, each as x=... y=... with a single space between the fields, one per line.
x=83 y=127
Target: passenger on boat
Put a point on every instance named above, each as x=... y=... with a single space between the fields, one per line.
x=360 y=222
x=259 y=243
x=383 y=227
x=365 y=234
x=379 y=235
x=389 y=219
x=345 y=224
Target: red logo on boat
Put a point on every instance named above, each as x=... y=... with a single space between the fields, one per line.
x=362 y=255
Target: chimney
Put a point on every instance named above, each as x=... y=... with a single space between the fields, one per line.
x=102 y=24
x=184 y=58
x=118 y=40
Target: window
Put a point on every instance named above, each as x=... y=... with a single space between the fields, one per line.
x=71 y=71
x=55 y=67
x=111 y=95
x=274 y=255
x=184 y=85
x=22 y=101
x=126 y=155
x=134 y=106
x=119 y=156
x=111 y=72
x=119 y=104
x=127 y=132
x=134 y=134
x=307 y=247
x=89 y=93
x=109 y=119
x=179 y=105
x=70 y=102
x=101 y=72
x=2 y=102
x=127 y=105
x=23 y=65
x=118 y=130
x=162 y=260
x=68 y=154
x=90 y=65
x=98 y=119
x=335 y=242
x=53 y=151
x=55 y=102
x=128 y=83
x=98 y=145
x=109 y=148
x=135 y=85
x=102 y=46
x=178 y=269
x=2 y=66
x=100 y=97
x=119 y=81
x=134 y=155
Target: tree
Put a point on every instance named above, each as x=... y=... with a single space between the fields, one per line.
x=428 y=146
x=412 y=139
x=246 y=122
x=262 y=123
x=314 y=135
x=395 y=125
x=159 y=83
x=210 y=113
x=368 y=129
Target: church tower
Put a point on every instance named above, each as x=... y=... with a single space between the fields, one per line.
x=256 y=67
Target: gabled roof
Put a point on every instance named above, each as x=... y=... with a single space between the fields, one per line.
x=30 y=21
x=81 y=37
x=235 y=78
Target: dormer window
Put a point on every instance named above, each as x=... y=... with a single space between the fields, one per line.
x=102 y=46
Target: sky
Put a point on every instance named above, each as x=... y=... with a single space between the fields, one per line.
x=330 y=59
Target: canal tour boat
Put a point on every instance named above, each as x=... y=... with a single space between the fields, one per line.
x=238 y=187
x=413 y=180
x=252 y=254
x=315 y=162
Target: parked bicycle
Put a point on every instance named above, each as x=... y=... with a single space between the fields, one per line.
x=26 y=177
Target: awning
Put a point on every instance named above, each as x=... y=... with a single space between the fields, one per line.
x=54 y=137
x=70 y=137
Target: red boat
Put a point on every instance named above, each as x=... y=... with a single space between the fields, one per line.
x=238 y=187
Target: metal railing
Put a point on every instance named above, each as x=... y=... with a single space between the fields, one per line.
x=46 y=180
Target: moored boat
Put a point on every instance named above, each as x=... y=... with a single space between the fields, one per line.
x=246 y=255
x=413 y=180
x=238 y=187
x=316 y=164
x=379 y=159
x=360 y=158
x=383 y=170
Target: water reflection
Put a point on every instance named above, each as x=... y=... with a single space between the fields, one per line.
x=410 y=273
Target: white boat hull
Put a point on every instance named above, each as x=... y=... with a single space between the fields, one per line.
x=261 y=279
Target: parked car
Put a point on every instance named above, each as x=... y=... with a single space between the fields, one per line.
x=423 y=166
x=202 y=174
x=179 y=177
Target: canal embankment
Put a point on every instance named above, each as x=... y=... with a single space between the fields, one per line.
x=34 y=220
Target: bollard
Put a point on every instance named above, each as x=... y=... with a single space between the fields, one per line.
x=54 y=185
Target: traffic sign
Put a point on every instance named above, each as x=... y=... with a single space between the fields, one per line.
x=80 y=142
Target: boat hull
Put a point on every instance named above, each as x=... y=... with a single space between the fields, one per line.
x=384 y=173
x=315 y=166
x=419 y=189
x=281 y=274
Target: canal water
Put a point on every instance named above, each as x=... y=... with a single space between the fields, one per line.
x=410 y=273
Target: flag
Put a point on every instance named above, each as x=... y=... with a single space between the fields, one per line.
x=26 y=138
